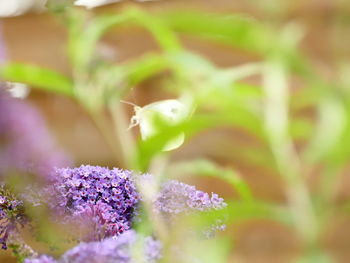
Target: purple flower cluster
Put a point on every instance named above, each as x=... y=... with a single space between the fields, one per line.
x=176 y=197
x=12 y=215
x=25 y=143
x=107 y=197
x=105 y=201
x=110 y=250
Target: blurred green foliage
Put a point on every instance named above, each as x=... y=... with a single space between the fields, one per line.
x=219 y=97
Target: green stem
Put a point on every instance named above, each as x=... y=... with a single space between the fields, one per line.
x=123 y=136
x=286 y=157
x=102 y=125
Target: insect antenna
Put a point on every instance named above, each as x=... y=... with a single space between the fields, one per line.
x=134 y=119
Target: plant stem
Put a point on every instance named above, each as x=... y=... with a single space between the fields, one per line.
x=123 y=136
x=287 y=160
x=101 y=123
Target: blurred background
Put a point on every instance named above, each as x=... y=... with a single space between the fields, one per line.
x=40 y=39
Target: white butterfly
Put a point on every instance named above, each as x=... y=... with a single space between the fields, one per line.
x=171 y=111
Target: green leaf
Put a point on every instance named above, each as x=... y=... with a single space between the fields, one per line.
x=207 y=168
x=144 y=67
x=152 y=146
x=237 y=30
x=206 y=251
x=37 y=77
x=315 y=256
x=301 y=128
x=238 y=211
x=85 y=34
x=164 y=36
x=329 y=130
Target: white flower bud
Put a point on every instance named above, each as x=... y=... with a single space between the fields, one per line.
x=95 y=3
x=18 y=7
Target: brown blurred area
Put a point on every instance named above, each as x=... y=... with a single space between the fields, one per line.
x=40 y=39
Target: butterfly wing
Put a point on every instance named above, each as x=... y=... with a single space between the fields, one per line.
x=172 y=111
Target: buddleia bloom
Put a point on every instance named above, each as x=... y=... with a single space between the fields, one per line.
x=25 y=143
x=108 y=198
x=175 y=197
x=118 y=249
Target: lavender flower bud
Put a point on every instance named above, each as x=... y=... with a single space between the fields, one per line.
x=110 y=250
x=152 y=249
x=41 y=259
x=176 y=197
